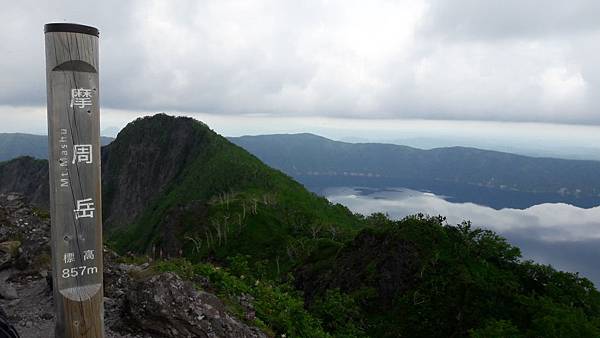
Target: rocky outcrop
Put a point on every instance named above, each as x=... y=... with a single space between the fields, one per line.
x=373 y=260
x=147 y=156
x=138 y=302
x=25 y=294
x=27 y=176
x=166 y=305
x=9 y=250
x=24 y=234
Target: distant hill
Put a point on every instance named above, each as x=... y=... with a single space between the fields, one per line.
x=507 y=145
x=490 y=178
x=13 y=145
x=484 y=177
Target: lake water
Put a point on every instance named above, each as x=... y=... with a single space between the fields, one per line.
x=562 y=235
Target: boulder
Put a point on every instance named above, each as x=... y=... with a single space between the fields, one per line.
x=166 y=305
x=7 y=291
x=9 y=250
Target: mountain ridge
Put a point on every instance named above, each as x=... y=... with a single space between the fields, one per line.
x=438 y=148
x=471 y=181
x=491 y=178
x=13 y=145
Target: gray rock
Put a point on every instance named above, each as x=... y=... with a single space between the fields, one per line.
x=6 y=260
x=166 y=305
x=154 y=307
x=8 y=252
x=28 y=176
x=21 y=221
x=7 y=291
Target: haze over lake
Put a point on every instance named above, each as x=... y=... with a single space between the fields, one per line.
x=562 y=235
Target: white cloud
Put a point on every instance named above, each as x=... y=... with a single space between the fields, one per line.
x=563 y=88
x=509 y=60
x=510 y=19
x=547 y=222
x=561 y=235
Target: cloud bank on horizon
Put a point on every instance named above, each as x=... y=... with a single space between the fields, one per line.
x=563 y=235
x=550 y=222
x=506 y=60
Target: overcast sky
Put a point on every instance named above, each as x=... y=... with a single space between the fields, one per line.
x=506 y=60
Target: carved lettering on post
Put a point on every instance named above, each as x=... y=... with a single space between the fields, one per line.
x=75 y=189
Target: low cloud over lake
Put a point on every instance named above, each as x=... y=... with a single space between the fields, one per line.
x=561 y=235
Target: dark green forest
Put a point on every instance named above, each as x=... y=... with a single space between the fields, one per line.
x=443 y=281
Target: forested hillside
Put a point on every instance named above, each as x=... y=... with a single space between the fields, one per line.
x=491 y=178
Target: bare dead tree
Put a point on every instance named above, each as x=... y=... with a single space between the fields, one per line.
x=254 y=210
x=196 y=242
x=217 y=226
x=333 y=231
x=315 y=229
x=209 y=237
x=225 y=227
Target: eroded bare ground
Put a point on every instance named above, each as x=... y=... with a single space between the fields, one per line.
x=25 y=289
x=32 y=312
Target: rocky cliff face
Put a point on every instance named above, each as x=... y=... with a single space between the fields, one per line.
x=145 y=159
x=373 y=260
x=139 y=303
x=28 y=176
x=147 y=156
x=165 y=305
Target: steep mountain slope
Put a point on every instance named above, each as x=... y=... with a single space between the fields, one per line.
x=490 y=178
x=13 y=145
x=27 y=176
x=173 y=187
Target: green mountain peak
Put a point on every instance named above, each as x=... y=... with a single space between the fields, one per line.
x=174 y=187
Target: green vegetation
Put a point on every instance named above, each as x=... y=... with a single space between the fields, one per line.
x=226 y=202
x=468 y=283
x=279 y=307
x=471 y=281
x=308 y=268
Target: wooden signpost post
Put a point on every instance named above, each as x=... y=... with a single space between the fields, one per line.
x=75 y=189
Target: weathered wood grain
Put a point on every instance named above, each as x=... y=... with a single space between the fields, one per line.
x=72 y=63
